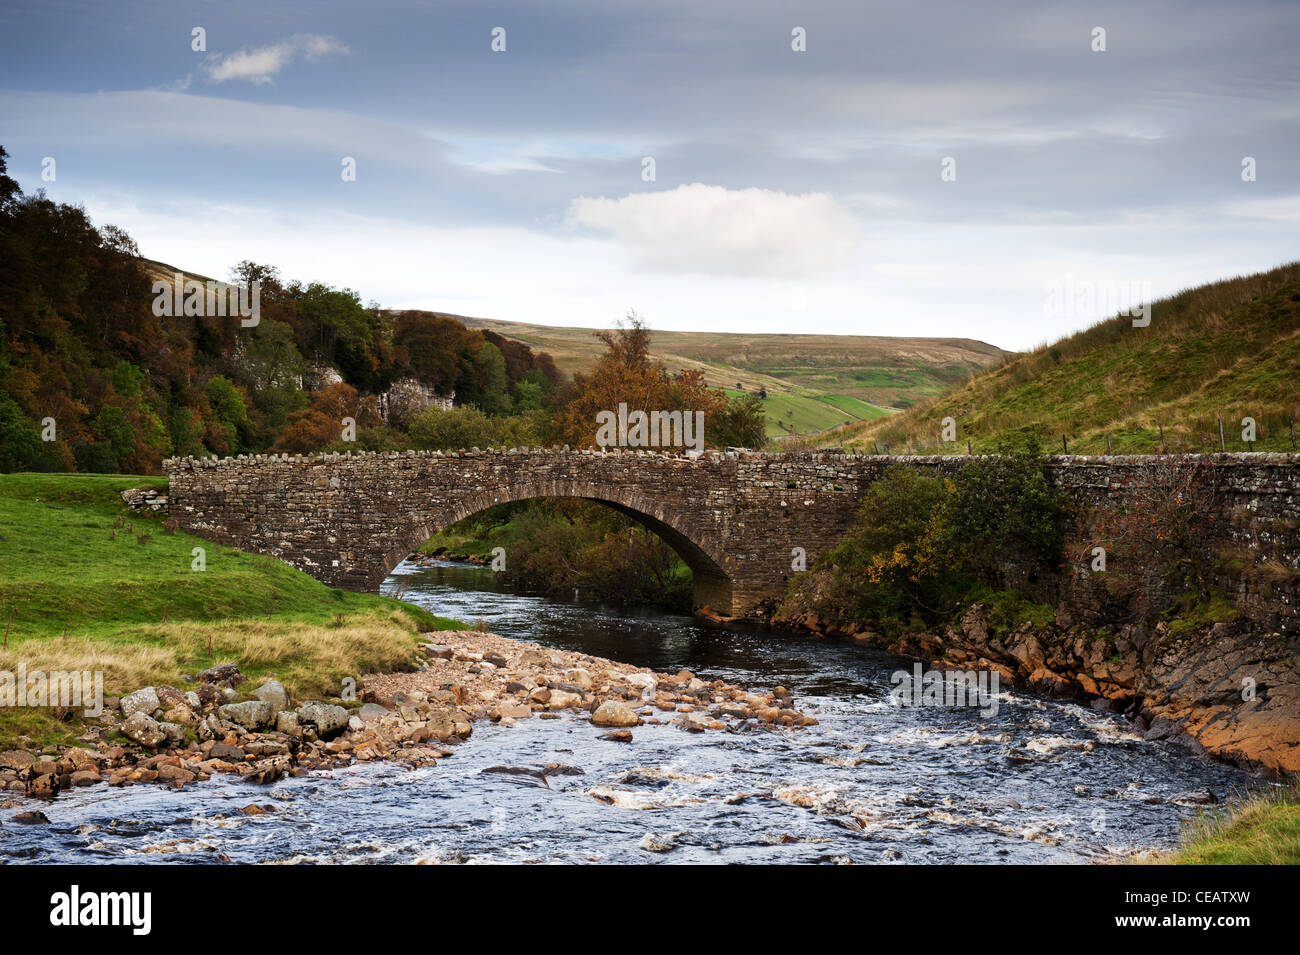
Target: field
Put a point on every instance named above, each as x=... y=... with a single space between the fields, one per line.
x=88 y=584
x=866 y=376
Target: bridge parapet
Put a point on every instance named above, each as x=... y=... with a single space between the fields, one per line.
x=741 y=520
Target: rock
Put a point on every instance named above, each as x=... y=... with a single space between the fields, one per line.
x=564 y=699
x=169 y=696
x=226 y=752
x=651 y=842
x=250 y=714
x=267 y=772
x=272 y=692
x=144 y=701
x=174 y=732
x=326 y=718
x=209 y=696
x=614 y=713
x=255 y=810
x=581 y=679
x=86 y=777
x=618 y=736
x=644 y=682
x=370 y=712
x=33 y=818
x=438 y=651
x=181 y=714
x=175 y=774
x=355 y=723
x=224 y=675
x=16 y=759
x=286 y=722
x=143 y=729
x=511 y=711
x=44 y=786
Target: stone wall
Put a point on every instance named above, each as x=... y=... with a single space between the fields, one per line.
x=735 y=518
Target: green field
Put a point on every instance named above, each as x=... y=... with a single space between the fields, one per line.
x=787 y=413
x=881 y=373
x=87 y=584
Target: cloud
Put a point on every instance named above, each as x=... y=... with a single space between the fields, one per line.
x=261 y=64
x=712 y=229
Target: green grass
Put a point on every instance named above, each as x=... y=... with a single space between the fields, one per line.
x=87 y=583
x=1196 y=613
x=1263 y=829
x=66 y=566
x=787 y=413
x=1223 y=351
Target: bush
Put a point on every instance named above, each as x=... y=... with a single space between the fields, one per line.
x=1008 y=514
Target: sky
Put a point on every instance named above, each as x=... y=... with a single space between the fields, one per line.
x=934 y=167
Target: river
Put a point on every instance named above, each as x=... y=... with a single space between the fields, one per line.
x=1040 y=781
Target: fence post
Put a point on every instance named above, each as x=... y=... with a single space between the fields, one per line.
x=1223 y=445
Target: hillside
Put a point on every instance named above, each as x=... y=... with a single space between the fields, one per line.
x=813 y=382
x=1226 y=351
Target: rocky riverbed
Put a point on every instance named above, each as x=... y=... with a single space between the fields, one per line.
x=178 y=737
x=1228 y=690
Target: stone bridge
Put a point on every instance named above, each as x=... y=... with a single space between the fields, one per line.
x=739 y=520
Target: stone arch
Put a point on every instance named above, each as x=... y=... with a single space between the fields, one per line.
x=701 y=552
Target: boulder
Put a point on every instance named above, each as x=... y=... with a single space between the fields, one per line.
x=144 y=700
x=169 y=696
x=143 y=729
x=16 y=759
x=614 y=713
x=226 y=752
x=511 y=711
x=250 y=714
x=372 y=711
x=209 y=696
x=272 y=692
x=286 y=721
x=326 y=718
x=227 y=675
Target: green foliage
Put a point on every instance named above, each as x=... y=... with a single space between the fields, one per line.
x=451 y=429
x=1198 y=611
x=923 y=548
x=20 y=441
x=558 y=546
x=740 y=424
x=1008 y=512
x=80 y=343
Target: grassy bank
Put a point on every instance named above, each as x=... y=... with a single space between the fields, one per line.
x=1263 y=829
x=87 y=584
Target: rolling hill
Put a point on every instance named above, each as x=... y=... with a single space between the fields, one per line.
x=813 y=382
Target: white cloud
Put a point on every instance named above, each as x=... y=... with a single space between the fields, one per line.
x=712 y=229
x=1276 y=209
x=261 y=64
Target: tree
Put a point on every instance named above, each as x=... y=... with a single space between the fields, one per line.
x=315 y=427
